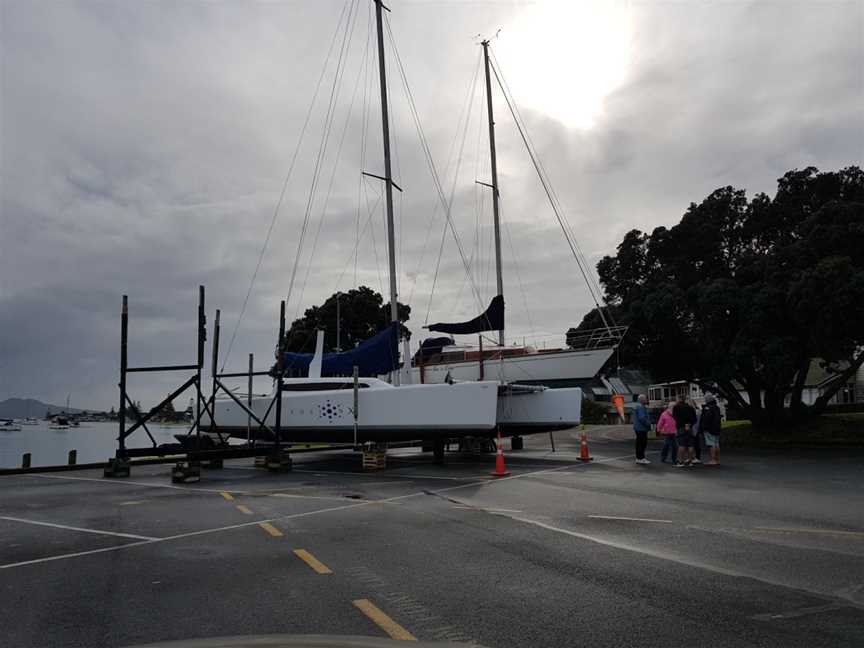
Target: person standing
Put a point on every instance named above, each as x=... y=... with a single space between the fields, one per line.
x=711 y=424
x=641 y=426
x=667 y=428
x=685 y=417
x=697 y=432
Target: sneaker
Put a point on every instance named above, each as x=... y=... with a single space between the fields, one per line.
x=678 y=465
x=696 y=461
x=643 y=461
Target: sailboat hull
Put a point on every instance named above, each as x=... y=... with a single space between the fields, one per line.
x=530 y=412
x=536 y=368
x=410 y=412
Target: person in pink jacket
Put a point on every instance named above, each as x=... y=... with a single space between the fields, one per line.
x=667 y=427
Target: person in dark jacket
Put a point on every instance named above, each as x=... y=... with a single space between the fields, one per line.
x=696 y=429
x=641 y=427
x=685 y=418
x=710 y=424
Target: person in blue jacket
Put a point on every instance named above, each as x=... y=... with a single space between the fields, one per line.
x=641 y=426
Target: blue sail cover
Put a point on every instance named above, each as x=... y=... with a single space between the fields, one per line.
x=372 y=357
x=490 y=320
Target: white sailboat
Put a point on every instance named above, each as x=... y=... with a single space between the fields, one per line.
x=320 y=408
x=586 y=353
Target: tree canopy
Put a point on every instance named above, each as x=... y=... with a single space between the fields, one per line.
x=746 y=292
x=362 y=314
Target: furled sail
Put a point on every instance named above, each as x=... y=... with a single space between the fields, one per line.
x=491 y=320
x=372 y=357
x=434 y=346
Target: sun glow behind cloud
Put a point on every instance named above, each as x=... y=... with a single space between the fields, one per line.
x=563 y=58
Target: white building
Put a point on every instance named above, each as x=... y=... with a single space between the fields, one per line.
x=818 y=381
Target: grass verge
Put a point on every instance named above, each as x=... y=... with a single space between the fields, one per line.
x=832 y=430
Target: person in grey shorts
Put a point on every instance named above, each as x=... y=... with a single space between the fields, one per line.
x=685 y=418
x=710 y=424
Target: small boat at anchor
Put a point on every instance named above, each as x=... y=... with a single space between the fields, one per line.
x=7 y=425
x=59 y=423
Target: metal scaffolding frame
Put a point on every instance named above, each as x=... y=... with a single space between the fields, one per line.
x=195 y=447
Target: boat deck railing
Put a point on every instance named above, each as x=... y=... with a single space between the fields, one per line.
x=598 y=338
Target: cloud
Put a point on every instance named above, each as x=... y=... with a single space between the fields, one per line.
x=144 y=146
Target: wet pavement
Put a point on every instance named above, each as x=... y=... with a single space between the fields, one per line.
x=767 y=550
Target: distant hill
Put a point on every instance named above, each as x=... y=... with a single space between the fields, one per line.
x=21 y=407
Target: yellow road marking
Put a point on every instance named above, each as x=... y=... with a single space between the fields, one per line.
x=628 y=519
x=854 y=534
x=227 y=496
x=269 y=528
x=383 y=621
x=243 y=509
x=312 y=561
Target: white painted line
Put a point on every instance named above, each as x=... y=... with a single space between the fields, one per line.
x=392 y=482
x=628 y=519
x=36 y=561
x=683 y=561
x=297 y=515
x=332 y=498
x=126 y=482
x=179 y=536
x=545 y=471
x=409 y=477
x=391 y=475
x=837 y=532
x=805 y=611
x=73 y=528
x=487 y=510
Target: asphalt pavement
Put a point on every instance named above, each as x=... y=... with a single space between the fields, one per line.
x=766 y=550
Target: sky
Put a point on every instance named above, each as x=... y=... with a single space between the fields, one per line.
x=144 y=148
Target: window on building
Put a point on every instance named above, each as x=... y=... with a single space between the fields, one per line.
x=846 y=394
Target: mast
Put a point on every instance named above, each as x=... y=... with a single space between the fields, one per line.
x=494 y=165
x=388 y=180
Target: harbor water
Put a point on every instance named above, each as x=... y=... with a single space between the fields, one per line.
x=93 y=441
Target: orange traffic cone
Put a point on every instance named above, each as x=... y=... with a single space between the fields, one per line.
x=583 y=449
x=500 y=468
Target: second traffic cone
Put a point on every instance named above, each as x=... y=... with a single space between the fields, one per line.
x=500 y=468
x=583 y=449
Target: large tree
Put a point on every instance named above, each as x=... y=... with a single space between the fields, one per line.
x=362 y=314
x=746 y=293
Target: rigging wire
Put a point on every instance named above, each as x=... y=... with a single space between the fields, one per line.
x=457 y=168
x=364 y=128
x=428 y=156
x=465 y=108
x=359 y=239
x=518 y=275
x=284 y=189
x=556 y=208
x=375 y=246
x=482 y=163
x=332 y=174
x=322 y=150
x=591 y=280
x=397 y=221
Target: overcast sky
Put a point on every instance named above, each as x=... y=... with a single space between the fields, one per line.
x=143 y=147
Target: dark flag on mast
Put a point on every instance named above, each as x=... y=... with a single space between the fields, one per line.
x=491 y=320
